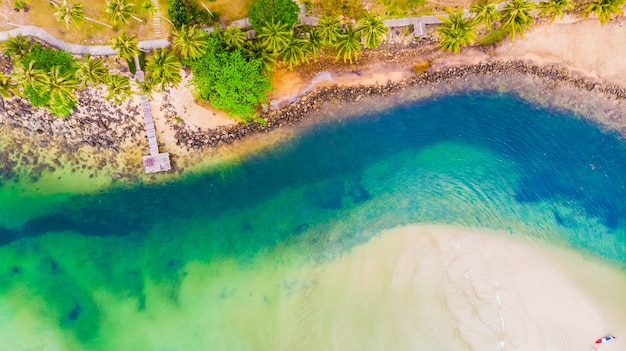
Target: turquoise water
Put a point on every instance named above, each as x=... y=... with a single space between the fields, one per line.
x=178 y=266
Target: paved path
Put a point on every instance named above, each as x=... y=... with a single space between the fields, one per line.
x=76 y=49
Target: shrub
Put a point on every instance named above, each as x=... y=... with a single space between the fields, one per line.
x=421 y=67
x=262 y=12
x=494 y=36
x=187 y=12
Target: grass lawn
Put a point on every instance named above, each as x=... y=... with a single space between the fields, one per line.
x=41 y=14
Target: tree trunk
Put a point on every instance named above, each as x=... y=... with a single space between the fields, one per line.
x=98 y=22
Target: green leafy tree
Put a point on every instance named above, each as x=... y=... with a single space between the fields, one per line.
x=120 y=11
x=554 y=8
x=349 y=45
x=372 y=29
x=255 y=50
x=17 y=46
x=275 y=36
x=328 y=29
x=164 y=68
x=189 y=42
x=516 y=17
x=91 y=72
x=604 y=9
x=118 y=88
x=263 y=12
x=233 y=37
x=187 y=13
x=59 y=85
x=295 y=52
x=229 y=81
x=126 y=46
x=485 y=12
x=455 y=31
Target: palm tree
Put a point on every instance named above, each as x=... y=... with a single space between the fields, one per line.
x=455 y=31
x=146 y=87
x=254 y=49
x=349 y=45
x=328 y=29
x=233 y=37
x=8 y=87
x=516 y=17
x=91 y=72
x=164 y=68
x=18 y=45
x=295 y=52
x=189 y=42
x=604 y=9
x=314 y=42
x=127 y=46
x=120 y=11
x=485 y=12
x=26 y=76
x=66 y=12
x=60 y=85
x=118 y=88
x=275 y=36
x=373 y=30
x=554 y=8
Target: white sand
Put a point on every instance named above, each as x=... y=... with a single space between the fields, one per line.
x=583 y=46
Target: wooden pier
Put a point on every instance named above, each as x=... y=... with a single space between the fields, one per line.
x=155 y=162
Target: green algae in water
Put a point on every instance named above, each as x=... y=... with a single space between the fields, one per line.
x=214 y=261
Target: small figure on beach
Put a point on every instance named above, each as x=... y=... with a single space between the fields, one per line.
x=605 y=339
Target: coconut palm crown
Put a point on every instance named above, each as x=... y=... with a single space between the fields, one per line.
x=604 y=9
x=127 y=46
x=372 y=29
x=485 y=12
x=455 y=31
x=554 y=8
x=189 y=42
x=516 y=17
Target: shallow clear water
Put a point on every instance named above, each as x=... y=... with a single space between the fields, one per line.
x=231 y=259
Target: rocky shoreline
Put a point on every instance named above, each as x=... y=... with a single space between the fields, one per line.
x=105 y=127
x=297 y=111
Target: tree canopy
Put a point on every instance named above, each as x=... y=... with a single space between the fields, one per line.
x=229 y=81
x=262 y=12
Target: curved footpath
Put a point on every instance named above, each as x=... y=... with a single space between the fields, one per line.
x=80 y=49
x=76 y=49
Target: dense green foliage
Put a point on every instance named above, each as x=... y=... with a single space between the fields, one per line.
x=187 y=13
x=228 y=80
x=455 y=31
x=262 y=12
x=38 y=67
x=346 y=8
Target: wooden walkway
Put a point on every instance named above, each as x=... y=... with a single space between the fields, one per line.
x=155 y=162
